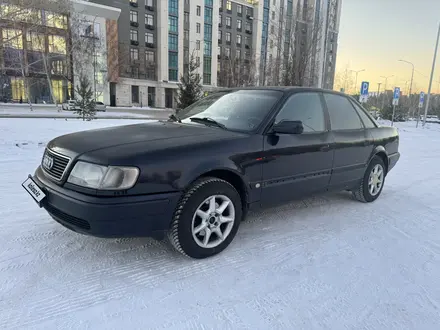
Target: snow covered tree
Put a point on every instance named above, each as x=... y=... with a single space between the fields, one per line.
x=84 y=99
x=190 y=86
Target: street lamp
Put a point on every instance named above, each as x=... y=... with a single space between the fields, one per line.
x=412 y=78
x=357 y=72
x=385 y=88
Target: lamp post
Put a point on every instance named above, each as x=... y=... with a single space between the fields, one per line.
x=432 y=77
x=357 y=72
x=385 y=88
x=411 y=84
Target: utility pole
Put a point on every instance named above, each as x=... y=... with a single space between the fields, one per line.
x=377 y=98
x=432 y=77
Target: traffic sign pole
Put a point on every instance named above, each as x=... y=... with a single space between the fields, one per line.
x=421 y=101
x=364 y=92
x=396 y=97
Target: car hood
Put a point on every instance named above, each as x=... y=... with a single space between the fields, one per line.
x=76 y=144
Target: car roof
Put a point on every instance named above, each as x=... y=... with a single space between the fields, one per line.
x=284 y=89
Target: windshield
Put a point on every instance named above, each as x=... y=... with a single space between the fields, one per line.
x=242 y=110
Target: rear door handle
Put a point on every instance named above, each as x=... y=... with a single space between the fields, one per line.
x=325 y=147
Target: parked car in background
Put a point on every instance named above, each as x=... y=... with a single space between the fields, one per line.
x=195 y=176
x=100 y=106
x=70 y=105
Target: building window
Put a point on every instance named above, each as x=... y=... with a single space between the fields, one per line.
x=228 y=37
x=239 y=39
x=135 y=2
x=249 y=11
x=173 y=24
x=238 y=55
x=273 y=14
x=186 y=34
x=208 y=3
x=198 y=27
x=239 y=24
x=149 y=19
x=219 y=34
x=239 y=9
x=198 y=44
x=12 y=38
x=228 y=21
x=198 y=11
x=149 y=57
x=247 y=41
x=134 y=16
x=149 y=3
x=173 y=42
x=134 y=94
x=57 y=44
x=186 y=17
x=208 y=14
x=173 y=60
x=248 y=26
x=228 y=52
x=36 y=42
x=219 y=50
x=208 y=49
x=134 y=54
x=173 y=7
x=220 y=19
x=208 y=32
x=172 y=74
x=149 y=38
x=134 y=35
x=228 y=5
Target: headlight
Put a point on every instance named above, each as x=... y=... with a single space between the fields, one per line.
x=103 y=177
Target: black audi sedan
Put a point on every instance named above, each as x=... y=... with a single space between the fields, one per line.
x=194 y=177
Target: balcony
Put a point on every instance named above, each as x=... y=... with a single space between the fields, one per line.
x=249 y=31
x=220 y=41
x=150 y=8
x=149 y=45
x=247 y=46
x=149 y=27
x=134 y=42
x=135 y=24
x=134 y=4
x=239 y=29
x=249 y=16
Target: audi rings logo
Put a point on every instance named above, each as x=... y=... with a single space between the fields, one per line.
x=47 y=162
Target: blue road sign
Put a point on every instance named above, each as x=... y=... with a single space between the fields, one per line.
x=421 y=100
x=396 y=93
x=364 y=88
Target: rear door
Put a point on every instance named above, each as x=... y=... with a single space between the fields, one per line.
x=298 y=164
x=353 y=142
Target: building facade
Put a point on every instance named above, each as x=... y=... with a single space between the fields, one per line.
x=236 y=43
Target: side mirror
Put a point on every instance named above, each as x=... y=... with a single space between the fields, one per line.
x=288 y=127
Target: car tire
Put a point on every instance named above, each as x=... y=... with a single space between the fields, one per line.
x=210 y=206
x=372 y=182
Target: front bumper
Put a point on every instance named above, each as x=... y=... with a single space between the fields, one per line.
x=127 y=216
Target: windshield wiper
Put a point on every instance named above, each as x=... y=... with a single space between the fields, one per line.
x=175 y=118
x=207 y=120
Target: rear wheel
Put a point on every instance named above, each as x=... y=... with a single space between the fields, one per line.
x=206 y=219
x=372 y=182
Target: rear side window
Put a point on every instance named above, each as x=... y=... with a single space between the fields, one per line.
x=342 y=114
x=367 y=120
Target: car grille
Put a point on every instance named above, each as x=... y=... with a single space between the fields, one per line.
x=63 y=217
x=59 y=164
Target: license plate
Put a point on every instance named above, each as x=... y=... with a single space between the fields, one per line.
x=32 y=188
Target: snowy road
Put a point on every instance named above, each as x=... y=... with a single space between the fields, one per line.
x=323 y=263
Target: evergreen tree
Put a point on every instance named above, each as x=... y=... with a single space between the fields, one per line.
x=190 y=87
x=85 y=102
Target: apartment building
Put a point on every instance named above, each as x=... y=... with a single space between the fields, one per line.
x=302 y=42
x=236 y=42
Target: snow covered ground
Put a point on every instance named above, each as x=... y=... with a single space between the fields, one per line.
x=326 y=262
x=19 y=112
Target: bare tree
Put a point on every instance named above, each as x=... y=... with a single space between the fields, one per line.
x=237 y=70
x=344 y=79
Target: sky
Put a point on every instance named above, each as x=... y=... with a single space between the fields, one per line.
x=375 y=34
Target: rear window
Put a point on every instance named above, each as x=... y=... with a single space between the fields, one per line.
x=368 y=122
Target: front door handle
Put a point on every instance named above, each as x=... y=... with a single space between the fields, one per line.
x=325 y=147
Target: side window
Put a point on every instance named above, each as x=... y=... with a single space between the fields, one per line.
x=307 y=108
x=367 y=120
x=342 y=114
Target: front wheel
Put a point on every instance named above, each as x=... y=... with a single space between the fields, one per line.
x=206 y=219
x=372 y=182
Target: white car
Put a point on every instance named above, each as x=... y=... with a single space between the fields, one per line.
x=100 y=106
x=70 y=105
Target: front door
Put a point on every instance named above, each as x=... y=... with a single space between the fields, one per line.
x=297 y=165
